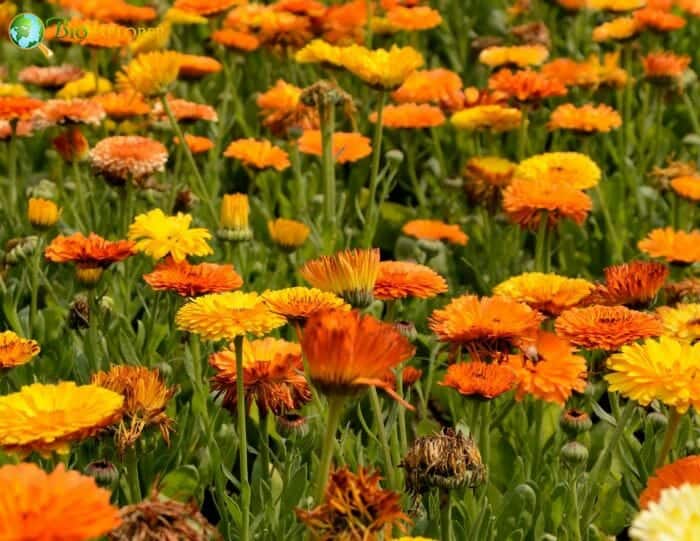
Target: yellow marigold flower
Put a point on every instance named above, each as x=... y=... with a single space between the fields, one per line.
x=572 y=168
x=319 y=51
x=687 y=186
x=154 y=39
x=235 y=210
x=300 y=303
x=85 y=86
x=681 y=322
x=158 y=235
x=548 y=293
x=380 y=68
x=618 y=29
x=496 y=118
x=674 y=517
x=615 y=5
x=519 y=55
x=666 y=369
x=15 y=351
x=12 y=90
x=179 y=16
x=610 y=72
x=42 y=213
x=227 y=315
x=585 y=119
x=150 y=73
x=288 y=234
x=46 y=418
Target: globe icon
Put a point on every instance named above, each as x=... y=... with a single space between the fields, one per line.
x=26 y=31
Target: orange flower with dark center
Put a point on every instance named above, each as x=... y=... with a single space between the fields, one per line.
x=526 y=85
x=71 y=145
x=485 y=324
x=347 y=146
x=410 y=115
x=88 y=252
x=348 y=352
x=658 y=19
x=235 y=39
x=194 y=66
x=12 y=108
x=205 y=7
x=91 y=33
x=258 y=154
x=476 y=378
x=688 y=187
x=440 y=86
x=572 y=73
x=273 y=376
x=665 y=65
x=680 y=247
x=401 y=279
x=121 y=105
x=682 y=471
x=585 y=119
x=131 y=157
x=75 y=111
x=50 y=76
x=196 y=143
x=633 y=284
x=606 y=327
x=193 y=280
x=413 y=18
x=184 y=110
x=485 y=176
x=435 y=230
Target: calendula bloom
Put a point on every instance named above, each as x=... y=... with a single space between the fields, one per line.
x=12 y=108
x=42 y=213
x=686 y=290
x=666 y=370
x=150 y=74
x=61 y=505
x=288 y=234
x=13 y=90
x=235 y=209
x=692 y=7
x=618 y=29
x=632 y=284
x=409 y=375
x=121 y=105
x=380 y=68
x=300 y=303
x=413 y=18
x=606 y=327
x=319 y=52
x=50 y=76
x=180 y=16
x=435 y=230
x=585 y=119
x=518 y=55
x=526 y=85
x=665 y=65
x=71 y=144
x=495 y=118
x=193 y=280
x=440 y=86
x=46 y=418
x=347 y=146
x=90 y=33
x=273 y=376
x=90 y=254
x=682 y=471
x=615 y=5
x=234 y=39
x=227 y=315
x=479 y=379
x=554 y=374
x=485 y=176
x=572 y=73
x=194 y=66
x=548 y=293
x=124 y=158
x=410 y=115
x=74 y=111
x=282 y=109
x=402 y=279
x=345 y=22
x=674 y=246
x=675 y=516
x=354 y=507
x=184 y=110
x=15 y=350
x=572 y=168
x=155 y=39
x=681 y=322
x=196 y=143
x=658 y=19
x=688 y=187
x=487 y=323
x=204 y=7
x=258 y=154
x=158 y=235
x=87 y=85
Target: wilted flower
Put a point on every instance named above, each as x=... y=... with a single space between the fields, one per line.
x=158 y=235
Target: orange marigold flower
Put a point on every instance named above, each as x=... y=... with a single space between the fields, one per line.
x=474 y=97
x=42 y=213
x=117 y=11
x=606 y=327
x=75 y=111
x=658 y=19
x=682 y=471
x=90 y=33
x=489 y=323
x=345 y=22
x=548 y=293
x=440 y=86
x=555 y=373
x=633 y=284
x=299 y=303
x=496 y=118
x=88 y=252
x=476 y=378
x=15 y=351
x=12 y=108
x=526 y=85
x=517 y=55
x=615 y=5
x=283 y=109
x=61 y=505
x=674 y=246
x=413 y=18
x=184 y=110
x=348 y=352
x=485 y=176
x=410 y=115
x=71 y=144
x=435 y=230
x=688 y=187
x=311 y=8
x=122 y=105
x=235 y=39
x=50 y=76
x=586 y=119
x=196 y=144
x=401 y=279
x=273 y=376
x=526 y=201
x=692 y=7
x=128 y=157
x=572 y=73
x=194 y=66
x=193 y=280
x=258 y=154
x=347 y=146
x=665 y=65
x=205 y=7
x=288 y=234
x=409 y=376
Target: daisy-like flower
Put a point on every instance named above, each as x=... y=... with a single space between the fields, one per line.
x=75 y=111
x=71 y=144
x=258 y=154
x=184 y=110
x=517 y=55
x=410 y=115
x=439 y=86
x=345 y=22
x=687 y=186
x=227 y=315
x=413 y=18
x=297 y=304
x=122 y=105
x=548 y=293
x=50 y=76
x=380 y=68
x=682 y=471
x=193 y=280
x=618 y=29
x=197 y=144
x=674 y=517
x=46 y=418
x=487 y=323
x=572 y=168
x=681 y=322
x=15 y=351
x=585 y=119
x=632 y=284
x=526 y=85
x=435 y=230
x=91 y=33
x=350 y=274
x=204 y=7
x=401 y=279
x=235 y=39
x=615 y=5
x=180 y=16
x=273 y=376
x=288 y=234
x=12 y=108
x=665 y=66
x=572 y=73
x=495 y=118
x=158 y=235
x=150 y=74
x=606 y=327
x=319 y=52
x=679 y=247
x=555 y=373
x=194 y=66
x=666 y=370
x=62 y=505
x=42 y=213
x=347 y=146
x=479 y=379
x=485 y=176
x=128 y=157
x=85 y=86
x=235 y=211
x=658 y=19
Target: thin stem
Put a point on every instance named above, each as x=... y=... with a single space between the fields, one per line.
x=576 y=525
x=383 y=438
x=264 y=448
x=34 y=281
x=327 y=118
x=612 y=230
x=669 y=437
x=446 y=517
x=484 y=412
x=242 y=441
x=541 y=252
x=539 y=420
x=92 y=331
x=522 y=134
x=373 y=210
x=12 y=165
x=79 y=190
x=335 y=411
x=132 y=472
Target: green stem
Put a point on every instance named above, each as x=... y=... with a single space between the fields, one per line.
x=541 y=244
x=132 y=472
x=383 y=439
x=327 y=118
x=691 y=112
x=612 y=230
x=446 y=517
x=539 y=421
x=80 y=192
x=12 y=165
x=264 y=448
x=335 y=411
x=576 y=525
x=34 y=281
x=92 y=331
x=522 y=134
x=373 y=210
x=242 y=441
x=669 y=437
x=484 y=412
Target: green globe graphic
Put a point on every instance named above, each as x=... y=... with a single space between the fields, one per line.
x=26 y=31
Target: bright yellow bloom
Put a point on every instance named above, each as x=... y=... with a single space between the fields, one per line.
x=85 y=86
x=154 y=39
x=42 y=212
x=300 y=303
x=381 y=68
x=179 y=16
x=150 y=73
x=549 y=293
x=15 y=350
x=318 y=51
x=288 y=234
x=618 y=29
x=572 y=168
x=681 y=322
x=666 y=369
x=226 y=315
x=675 y=517
x=520 y=55
x=235 y=210
x=496 y=118
x=12 y=90
x=615 y=5
x=158 y=235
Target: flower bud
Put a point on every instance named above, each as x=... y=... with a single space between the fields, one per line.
x=42 y=213
x=44 y=190
x=394 y=155
x=574 y=454
x=20 y=249
x=234 y=218
x=407 y=329
x=88 y=276
x=292 y=425
x=105 y=473
x=575 y=422
x=657 y=420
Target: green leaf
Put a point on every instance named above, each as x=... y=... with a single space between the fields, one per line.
x=181 y=484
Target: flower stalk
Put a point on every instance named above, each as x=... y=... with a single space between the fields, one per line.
x=335 y=411
x=242 y=441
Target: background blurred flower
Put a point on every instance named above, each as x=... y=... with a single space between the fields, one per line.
x=585 y=119
x=674 y=246
x=288 y=234
x=128 y=158
x=150 y=74
x=518 y=55
x=435 y=230
x=15 y=351
x=258 y=154
x=347 y=146
x=42 y=213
